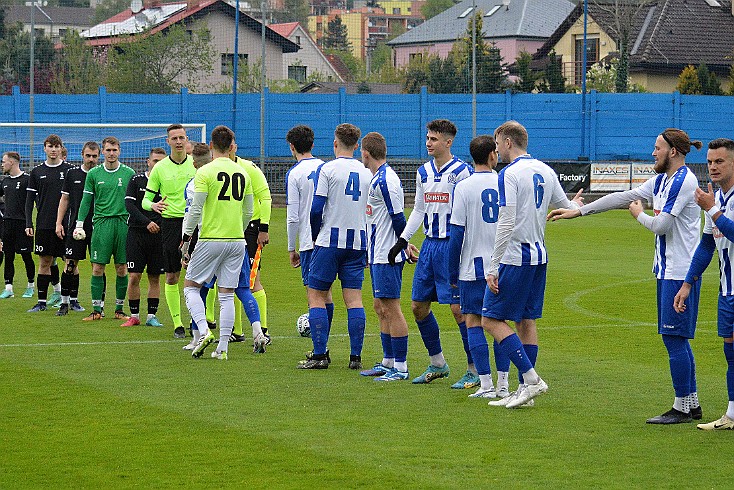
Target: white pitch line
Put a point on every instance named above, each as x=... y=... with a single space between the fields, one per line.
x=571 y=302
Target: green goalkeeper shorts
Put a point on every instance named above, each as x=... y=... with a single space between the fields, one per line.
x=109 y=237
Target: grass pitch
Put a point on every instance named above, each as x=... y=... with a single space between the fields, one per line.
x=96 y=405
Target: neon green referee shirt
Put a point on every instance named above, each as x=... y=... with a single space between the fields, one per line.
x=169 y=179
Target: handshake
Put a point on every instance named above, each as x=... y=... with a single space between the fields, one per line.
x=411 y=255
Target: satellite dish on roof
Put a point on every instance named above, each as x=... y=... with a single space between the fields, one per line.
x=136 y=6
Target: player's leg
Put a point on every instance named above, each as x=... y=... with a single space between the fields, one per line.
x=470 y=379
x=153 y=299
x=502 y=366
x=725 y=326
x=133 y=294
x=322 y=274
x=66 y=282
x=171 y=237
x=351 y=265
x=100 y=256
x=228 y=278
x=250 y=305
x=9 y=268
x=471 y=295
x=201 y=269
x=55 y=298
x=386 y=286
x=43 y=280
x=258 y=292
x=119 y=241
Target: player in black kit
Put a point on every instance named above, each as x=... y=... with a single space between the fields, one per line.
x=44 y=190
x=74 y=250
x=14 y=237
x=144 y=246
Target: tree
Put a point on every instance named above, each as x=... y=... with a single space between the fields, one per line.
x=434 y=7
x=294 y=11
x=355 y=65
x=444 y=76
x=688 y=83
x=15 y=60
x=554 y=81
x=416 y=75
x=160 y=63
x=623 y=13
x=709 y=82
x=76 y=70
x=491 y=71
x=526 y=76
x=731 y=80
x=336 y=36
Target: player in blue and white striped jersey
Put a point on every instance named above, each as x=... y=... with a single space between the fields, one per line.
x=339 y=231
x=676 y=224
x=299 y=190
x=718 y=234
x=516 y=274
x=473 y=229
x=385 y=222
x=434 y=192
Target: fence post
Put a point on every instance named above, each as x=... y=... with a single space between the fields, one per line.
x=591 y=114
x=508 y=104
x=342 y=105
x=184 y=105
x=16 y=103
x=268 y=118
x=676 y=109
x=423 y=120
x=102 y=93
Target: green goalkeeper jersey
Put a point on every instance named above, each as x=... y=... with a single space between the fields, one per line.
x=106 y=189
x=169 y=179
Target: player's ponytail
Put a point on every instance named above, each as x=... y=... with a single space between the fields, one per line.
x=679 y=140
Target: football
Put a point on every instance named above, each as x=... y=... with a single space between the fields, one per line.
x=79 y=234
x=302 y=326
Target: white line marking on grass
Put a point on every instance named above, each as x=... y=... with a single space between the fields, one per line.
x=571 y=302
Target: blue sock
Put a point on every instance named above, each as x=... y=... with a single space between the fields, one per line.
x=193 y=326
x=428 y=328
x=319 y=329
x=330 y=315
x=680 y=364
x=356 y=321
x=249 y=303
x=204 y=292
x=400 y=348
x=532 y=351
x=387 y=352
x=465 y=341
x=693 y=388
x=479 y=349
x=729 y=355
x=512 y=348
x=501 y=361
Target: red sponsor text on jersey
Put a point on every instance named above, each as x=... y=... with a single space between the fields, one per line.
x=369 y=210
x=655 y=212
x=436 y=197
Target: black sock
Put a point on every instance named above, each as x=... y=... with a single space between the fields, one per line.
x=67 y=280
x=42 y=282
x=54 y=274
x=74 y=286
x=153 y=305
x=134 y=306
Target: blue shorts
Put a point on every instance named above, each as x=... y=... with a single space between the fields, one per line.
x=471 y=295
x=669 y=321
x=522 y=289
x=305 y=264
x=431 y=277
x=387 y=280
x=726 y=316
x=244 y=281
x=327 y=263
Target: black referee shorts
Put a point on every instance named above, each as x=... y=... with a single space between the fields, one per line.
x=144 y=249
x=171 y=234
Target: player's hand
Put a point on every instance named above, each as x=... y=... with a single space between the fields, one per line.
x=295 y=258
x=263 y=238
x=679 y=302
x=636 y=208
x=493 y=283
x=705 y=199
x=29 y=231
x=160 y=206
x=399 y=246
x=153 y=227
x=60 y=231
x=412 y=252
x=79 y=234
x=562 y=213
x=184 y=248
x=578 y=199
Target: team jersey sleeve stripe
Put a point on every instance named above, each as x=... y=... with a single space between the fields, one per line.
x=674 y=191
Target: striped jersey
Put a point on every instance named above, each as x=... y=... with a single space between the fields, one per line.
x=674 y=195
x=434 y=192
x=385 y=199
x=531 y=186
x=724 y=246
x=300 y=183
x=476 y=208
x=345 y=184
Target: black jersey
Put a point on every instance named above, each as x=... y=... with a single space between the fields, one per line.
x=139 y=218
x=14 y=191
x=44 y=189
x=73 y=186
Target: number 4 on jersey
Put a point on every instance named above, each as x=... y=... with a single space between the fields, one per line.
x=352 y=188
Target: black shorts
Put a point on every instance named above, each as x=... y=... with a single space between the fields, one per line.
x=144 y=249
x=171 y=233
x=77 y=249
x=14 y=237
x=251 y=233
x=48 y=243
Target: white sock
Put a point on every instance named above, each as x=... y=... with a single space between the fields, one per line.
x=57 y=287
x=31 y=285
x=402 y=366
x=9 y=287
x=530 y=377
x=64 y=300
x=730 y=410
x=226 y=319
x=196 y=308
x=135 y=315
x=388 y=362
x=438 y=360
x=693 y=399
x=256 y=329
x=486 y=382
x=196 y=335
x=150 y=315
x=503 y=379
x=680 y=404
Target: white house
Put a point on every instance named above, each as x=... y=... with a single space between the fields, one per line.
x=308 y=60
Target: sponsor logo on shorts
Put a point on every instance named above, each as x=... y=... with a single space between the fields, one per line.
x=440 y=197
x=669 y=327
